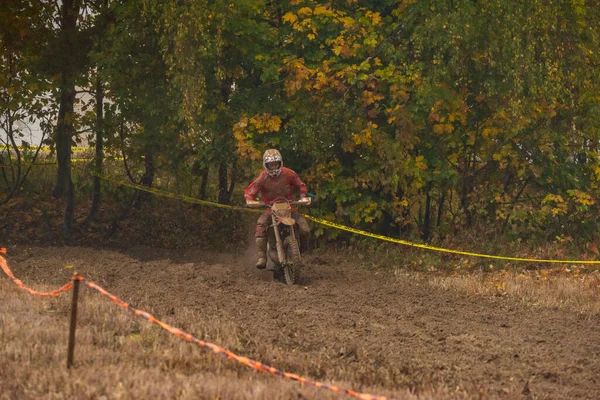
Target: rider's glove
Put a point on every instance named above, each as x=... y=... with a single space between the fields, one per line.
x=252 y=203
x=305 y=201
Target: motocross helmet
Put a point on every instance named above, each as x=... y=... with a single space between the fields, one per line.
x=270 y=156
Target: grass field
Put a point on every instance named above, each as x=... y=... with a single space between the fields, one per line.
x=398 y=333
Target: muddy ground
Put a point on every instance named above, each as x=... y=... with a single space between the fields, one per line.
x=389 y=330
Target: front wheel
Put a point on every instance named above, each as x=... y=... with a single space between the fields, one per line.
x=293 y=260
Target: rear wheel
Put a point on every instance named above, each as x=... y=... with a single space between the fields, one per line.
x=293 y=260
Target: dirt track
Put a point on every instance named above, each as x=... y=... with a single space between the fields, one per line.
x=374 y=328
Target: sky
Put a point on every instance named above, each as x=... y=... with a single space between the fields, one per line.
x=32 y=133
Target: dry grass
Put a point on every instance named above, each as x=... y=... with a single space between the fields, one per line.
x=554 y=288
x=119 y=356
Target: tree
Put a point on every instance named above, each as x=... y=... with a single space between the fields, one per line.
x=22 y=90
x=130 y=62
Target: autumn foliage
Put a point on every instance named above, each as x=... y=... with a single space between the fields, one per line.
x=407 y=118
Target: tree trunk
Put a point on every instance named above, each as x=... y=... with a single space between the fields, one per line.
x=99 y=148
x=427 y=218
x=148 y=176
x=64 y=125
x=147 y=180
x=441 y=209
x=385 y=225
x=224 y=122
x=224 y=195
x=466 y=190
x=8 y=128
x=226 y=183
x=13 y=184
x=11 y=138
x=64 y=134
x=233 y=178
x=203 y=183
x=4 y=162
x=69 y=205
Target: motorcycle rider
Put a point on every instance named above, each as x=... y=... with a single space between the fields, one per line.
x=276 y=181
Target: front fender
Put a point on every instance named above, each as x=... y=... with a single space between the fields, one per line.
x=287 y=221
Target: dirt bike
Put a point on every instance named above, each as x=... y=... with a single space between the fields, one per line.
x=283 y=238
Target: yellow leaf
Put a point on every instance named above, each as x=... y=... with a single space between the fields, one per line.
x=290 y=17
x=305 y=11
x=490 y=131
x=369 y=97
x=442 y=128
x=375 y=17
x=420 y=163
x=322 y=10
x=68 y=267
x=472 y=136
x=348 y=22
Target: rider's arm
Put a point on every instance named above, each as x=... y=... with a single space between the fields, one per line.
x=252 y=191
x=295 y=180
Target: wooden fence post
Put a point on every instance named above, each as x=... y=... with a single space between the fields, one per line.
x=71 y=348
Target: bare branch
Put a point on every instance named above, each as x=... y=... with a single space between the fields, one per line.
x=85 y=91
x=88 y=129
x=58 y=18
x=122 y=135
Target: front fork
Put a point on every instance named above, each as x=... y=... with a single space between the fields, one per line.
x=279 y=242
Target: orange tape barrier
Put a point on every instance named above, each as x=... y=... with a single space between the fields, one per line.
x=20 y=284
x=257 y=365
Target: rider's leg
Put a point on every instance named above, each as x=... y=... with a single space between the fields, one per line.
x=261 y=240
x=304 y=230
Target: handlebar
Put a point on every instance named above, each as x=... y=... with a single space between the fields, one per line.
x=262 y=204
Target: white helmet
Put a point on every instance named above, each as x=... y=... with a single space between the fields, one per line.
x=272 y=155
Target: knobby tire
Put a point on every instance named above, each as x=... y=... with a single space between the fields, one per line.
x=292 y=253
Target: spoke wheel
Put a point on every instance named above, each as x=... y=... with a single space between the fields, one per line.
x=293 y=260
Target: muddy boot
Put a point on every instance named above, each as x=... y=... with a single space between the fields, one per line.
x=261 y=245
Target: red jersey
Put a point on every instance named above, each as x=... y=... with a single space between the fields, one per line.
x=272 y=187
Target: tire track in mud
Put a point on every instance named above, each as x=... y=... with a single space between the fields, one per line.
x=346 y=323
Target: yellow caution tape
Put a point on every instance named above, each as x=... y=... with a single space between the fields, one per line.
x=43 y=163
x=173 y=195
x=348 y=229
x=440 y=249
x=26 y=164
x=75 y=160
x=47 y=148
x=339 y=226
